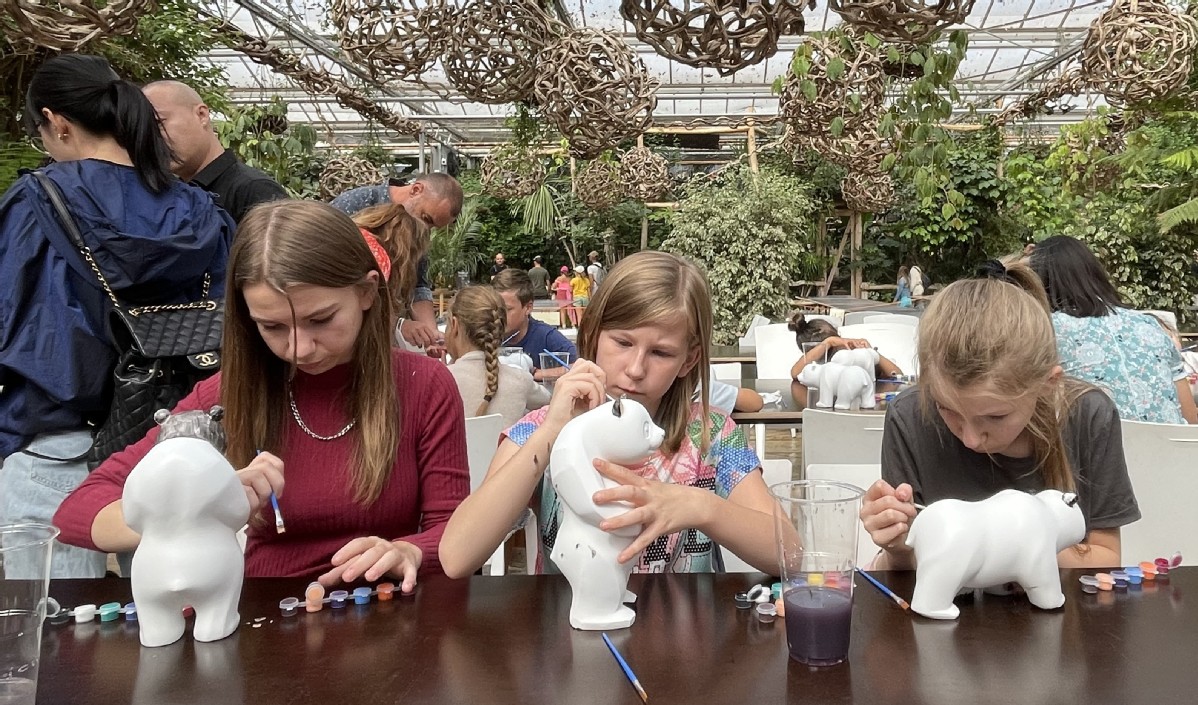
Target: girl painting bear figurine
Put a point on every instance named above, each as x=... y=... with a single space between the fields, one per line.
x=185 y=500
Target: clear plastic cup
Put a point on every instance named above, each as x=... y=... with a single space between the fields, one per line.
x=25 y=551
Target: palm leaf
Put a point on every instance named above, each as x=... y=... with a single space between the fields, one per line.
x=1183 y=160
x=1178 y=215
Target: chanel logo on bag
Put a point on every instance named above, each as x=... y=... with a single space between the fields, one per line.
x=204 y=360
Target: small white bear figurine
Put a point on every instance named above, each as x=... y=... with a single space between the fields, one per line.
x=843 y=384
x=865 y=358
x=1010 y=537
x=185 y=500
x=621 y=432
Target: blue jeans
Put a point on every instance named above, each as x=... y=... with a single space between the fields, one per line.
x=32 y=488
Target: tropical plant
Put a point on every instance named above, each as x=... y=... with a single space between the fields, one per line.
x=456 y=248
x=748 y=231
x=288 y=155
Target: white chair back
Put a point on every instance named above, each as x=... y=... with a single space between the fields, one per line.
x=855 y=318
x=895 y=342
x=835 y=437
x=727 y=372
x=772 y=472
x=749 y=339
x=1162 y=461
x=777 y=351
x=862 y=476
x=895 y=318
x=482 y=440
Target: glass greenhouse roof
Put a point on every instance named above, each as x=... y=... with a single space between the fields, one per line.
x=1015 y=45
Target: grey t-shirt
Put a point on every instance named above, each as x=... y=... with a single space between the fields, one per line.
x=920 y=450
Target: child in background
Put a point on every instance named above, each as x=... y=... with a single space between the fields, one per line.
x=563 y=292
x=580 y=287
x=820 y=331
x=477 y=320
x=994 y=411
x=648 y=334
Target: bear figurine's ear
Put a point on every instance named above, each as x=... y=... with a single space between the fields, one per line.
x=1070 y=499
x=617 y=408
x=161 y=416
x=216 y=413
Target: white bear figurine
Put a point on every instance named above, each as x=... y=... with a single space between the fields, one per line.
x=185 y=500
x=843 y=384
x=1010 y=537
x=621 y=432
x=865 y=358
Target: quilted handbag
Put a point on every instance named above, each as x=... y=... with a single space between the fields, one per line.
x=163 y=351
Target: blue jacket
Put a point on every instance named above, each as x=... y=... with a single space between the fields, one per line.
x=56 y=358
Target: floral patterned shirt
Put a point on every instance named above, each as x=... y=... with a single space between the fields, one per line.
x=1129 y=356
x=726 y=463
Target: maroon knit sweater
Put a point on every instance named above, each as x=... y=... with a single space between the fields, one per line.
x=430 y=477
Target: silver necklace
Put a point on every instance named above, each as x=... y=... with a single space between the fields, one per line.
x=304 y=427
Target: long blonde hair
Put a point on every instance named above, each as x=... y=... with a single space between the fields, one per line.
x=996 y=330
x=283 y=244
x=645 y=289
x=406 y=240
x=483 y=317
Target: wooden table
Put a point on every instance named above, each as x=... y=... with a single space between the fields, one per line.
x=508 y=640
x=743 y=354
x=846 y=303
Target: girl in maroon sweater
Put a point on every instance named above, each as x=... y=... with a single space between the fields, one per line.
x=363 y=446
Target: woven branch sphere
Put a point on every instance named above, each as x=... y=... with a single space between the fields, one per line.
x=66 y=25
x=867 y=193
x=511 y=171
x=863 y=77
x=595 y=90
x=397 y=38
x=861 y=151
x=645 y=174
x=491 y=48
x=346 y=171
x=597 y=184
x=1139 y=50
x=902 y=20
x=1071 y=82
x=716 y=34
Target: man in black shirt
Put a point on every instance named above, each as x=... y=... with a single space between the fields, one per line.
x=199 y=156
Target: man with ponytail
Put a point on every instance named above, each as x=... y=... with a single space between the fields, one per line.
x=477 y=321
x=994 y=411
x=155 y=239
x=200 y=158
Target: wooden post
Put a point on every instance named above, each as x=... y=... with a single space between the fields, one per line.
x=644 y=232
x=752 y=138
x=857 y=227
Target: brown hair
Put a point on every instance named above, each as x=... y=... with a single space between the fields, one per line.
x=406 y=240
x=645 y=289
x=814 y=331
x=514 y=280
x=284 y=244
x=482 y=315
x=996 y=330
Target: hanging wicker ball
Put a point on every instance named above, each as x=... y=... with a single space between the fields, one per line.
x=861 y=151
x=399 y=39
x=902 y=20
x=491 y=48
x=595 y=90
x=868 y=193
x=597 y=184
x=347 y=171
x=717 y=34
x=1139 y=50
x=511 y=171
x=644 y=173
x=1070 y=82
x=855 y=96
x=67 y=25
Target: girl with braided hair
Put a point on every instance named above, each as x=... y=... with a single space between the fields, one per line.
x=477 y=322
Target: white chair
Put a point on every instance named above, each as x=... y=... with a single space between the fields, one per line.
x=749 y=339
x=834 y=437
x=482 y=439
x=855 y=318
x=727 y=372
x=895 y=318
x=773 y=472
x=893 y=341
x=1162 y=462
x=777 y=351
x=862 y=476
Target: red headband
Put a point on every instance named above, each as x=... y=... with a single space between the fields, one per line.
x=380 y=255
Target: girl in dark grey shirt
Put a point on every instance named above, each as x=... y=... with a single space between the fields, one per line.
x=994 y=411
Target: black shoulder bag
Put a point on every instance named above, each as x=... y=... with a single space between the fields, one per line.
x=162 y=351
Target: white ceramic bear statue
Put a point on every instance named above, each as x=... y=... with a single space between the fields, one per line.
x=185 y=500
x=844 y=384
x=865 y=358
x=1012 y=537
x=621 y=432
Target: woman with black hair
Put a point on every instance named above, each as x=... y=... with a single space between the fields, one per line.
x=1101 y=341
x=155 y=239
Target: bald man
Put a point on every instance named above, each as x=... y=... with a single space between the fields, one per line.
x=199 y=156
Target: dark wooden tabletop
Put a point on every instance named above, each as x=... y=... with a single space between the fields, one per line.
x=508 y=640
x=743 y=354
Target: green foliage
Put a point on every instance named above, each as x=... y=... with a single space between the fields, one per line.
x=288 y=156
x=749 y=231
x=15 y=156
x=456 y=248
